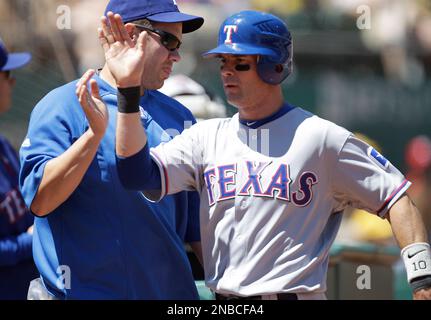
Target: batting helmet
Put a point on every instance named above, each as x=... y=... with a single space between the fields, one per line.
x=258 y=33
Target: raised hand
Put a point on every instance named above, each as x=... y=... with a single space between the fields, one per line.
x=94 y=108
x=124 y=58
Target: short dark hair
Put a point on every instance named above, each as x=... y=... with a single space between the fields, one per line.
x=143 y=22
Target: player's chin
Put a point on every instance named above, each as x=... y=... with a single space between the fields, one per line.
x=156 y=84
x=234 y=100
x=166 y=72
x=232 y=94
x=162 y=79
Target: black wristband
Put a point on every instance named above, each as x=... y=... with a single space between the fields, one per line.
x=128 y=99
x=421 y=283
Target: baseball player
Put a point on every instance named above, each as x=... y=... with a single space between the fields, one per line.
x=94 y=239
x=273 y=179
x=16 y=260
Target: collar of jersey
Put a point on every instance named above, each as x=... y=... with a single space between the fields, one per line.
x=258 y=123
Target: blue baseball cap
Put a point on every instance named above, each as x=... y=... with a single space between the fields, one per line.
x=154 y=10
x=10 y=61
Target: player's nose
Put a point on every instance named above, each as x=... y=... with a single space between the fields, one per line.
x=227 y=70
x=175 y=56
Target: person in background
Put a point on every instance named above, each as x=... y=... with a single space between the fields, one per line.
x=418 y=160
x=200 y=101
x=16 y=260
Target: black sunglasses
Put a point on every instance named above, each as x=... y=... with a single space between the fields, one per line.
x=168 y=40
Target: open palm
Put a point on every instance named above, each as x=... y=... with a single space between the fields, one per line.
x=94 y=108
x=125 y=59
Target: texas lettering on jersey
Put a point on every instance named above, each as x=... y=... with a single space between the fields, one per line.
x=223 y=182
x=13 y=206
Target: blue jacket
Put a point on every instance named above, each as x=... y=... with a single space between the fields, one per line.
x=105 y=242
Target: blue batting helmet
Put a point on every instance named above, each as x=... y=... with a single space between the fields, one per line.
x=258 y=33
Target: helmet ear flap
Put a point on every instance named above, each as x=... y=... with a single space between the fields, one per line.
x=272 y=72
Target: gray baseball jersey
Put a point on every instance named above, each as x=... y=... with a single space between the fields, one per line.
x=272 y=197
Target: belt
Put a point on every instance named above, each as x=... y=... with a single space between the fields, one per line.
x=276 y=296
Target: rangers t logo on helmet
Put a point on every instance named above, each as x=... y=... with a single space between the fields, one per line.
x=228 y=30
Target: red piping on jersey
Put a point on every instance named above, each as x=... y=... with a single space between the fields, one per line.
x=393 y=194
x=165 y=172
